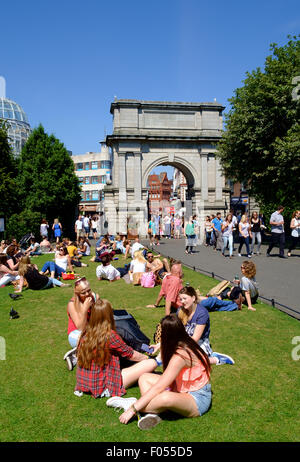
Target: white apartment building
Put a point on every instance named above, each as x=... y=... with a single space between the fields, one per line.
x=93 y=170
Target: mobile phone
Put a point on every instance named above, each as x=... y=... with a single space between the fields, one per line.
x=147 y=349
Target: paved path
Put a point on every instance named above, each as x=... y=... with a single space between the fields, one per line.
x=278 y=279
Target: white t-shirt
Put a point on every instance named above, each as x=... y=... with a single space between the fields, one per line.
x=107 y=272
x=228 y=230
x=86 y=222
x=137 y=266
x=249 y=285
x=136 y=246
x=79 y=224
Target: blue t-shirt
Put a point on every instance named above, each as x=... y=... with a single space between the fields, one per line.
x=201 y=316
x=217 y=223
x=215 y=304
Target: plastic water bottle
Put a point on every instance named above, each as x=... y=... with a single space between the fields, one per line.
x=187 y=284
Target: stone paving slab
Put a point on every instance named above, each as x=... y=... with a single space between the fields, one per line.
x=278 y=279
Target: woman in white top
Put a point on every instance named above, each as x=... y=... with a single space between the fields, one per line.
x=295 y=227
x=6 y=274
x=227 y=229
x=94 y=224
x=138 y=264
x=244 y=234
x=62 y=262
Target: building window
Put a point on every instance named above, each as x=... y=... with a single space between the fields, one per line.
x=95 y=180
x=87 y=196
x=105 y=164
x=87 y=166
x=103 y=179
x=80 y=166
x=80 y=179
x=95 y=195
x=94 y=165
x=87 y=180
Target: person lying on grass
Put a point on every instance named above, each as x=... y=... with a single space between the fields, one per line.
x=35 y=280
x=98 y=356
x=184 y=387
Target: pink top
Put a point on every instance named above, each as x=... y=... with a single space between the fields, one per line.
x=192 y=378
x=170 y=288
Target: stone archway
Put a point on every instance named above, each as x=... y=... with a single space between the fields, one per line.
x=149 y=133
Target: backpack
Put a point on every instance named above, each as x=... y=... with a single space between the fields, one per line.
x=148 y=279
x=129 y=330
x=218 y=288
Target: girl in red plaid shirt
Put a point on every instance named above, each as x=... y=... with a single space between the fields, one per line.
x=99 y=350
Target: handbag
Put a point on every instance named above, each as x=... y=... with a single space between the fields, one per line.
x=148 y=279
x=67 y=276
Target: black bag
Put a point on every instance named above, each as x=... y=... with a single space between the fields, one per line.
x=129 y=330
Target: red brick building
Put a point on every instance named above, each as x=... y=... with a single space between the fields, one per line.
x=160 y=190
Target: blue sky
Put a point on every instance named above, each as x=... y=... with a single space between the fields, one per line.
x=65 y=61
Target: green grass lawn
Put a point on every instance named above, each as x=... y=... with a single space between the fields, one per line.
x=257 y=399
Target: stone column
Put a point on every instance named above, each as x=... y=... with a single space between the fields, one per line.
x=204 y=180
x=137 y=177
x=219 y=181
x=122 y=228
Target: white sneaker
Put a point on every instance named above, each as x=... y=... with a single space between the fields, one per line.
x=148 y=421
x=120 y=403
x=239 y=255
x=71 y=359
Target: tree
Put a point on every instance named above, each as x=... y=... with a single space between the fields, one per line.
x=8 y=172
x=260 y=145
x=46 y=178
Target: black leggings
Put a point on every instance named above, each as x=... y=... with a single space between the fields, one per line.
x=293 y=243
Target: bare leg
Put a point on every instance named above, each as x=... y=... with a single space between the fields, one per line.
x=130 y=375
x=181 y=403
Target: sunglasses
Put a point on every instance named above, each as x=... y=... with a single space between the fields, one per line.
x=80 y=280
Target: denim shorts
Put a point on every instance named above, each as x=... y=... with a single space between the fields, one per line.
x=202 y=398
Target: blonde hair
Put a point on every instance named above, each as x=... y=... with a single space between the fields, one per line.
x=244 y=219
x=138 y=255
x=23 y=265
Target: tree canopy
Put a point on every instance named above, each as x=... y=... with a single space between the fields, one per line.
x=260 y=144
x=8 y=172
x=46 y=182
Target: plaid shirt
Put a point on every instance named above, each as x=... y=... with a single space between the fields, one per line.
x=96 y=379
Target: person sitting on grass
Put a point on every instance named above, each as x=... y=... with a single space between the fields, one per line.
x=73 y=252
x=78 y=311
x=106 y=270
x=34 y=248
x=98 y=357
x=7 y=275
x=137 y=267
x=183 y=388
x=45 y=245
x=35 y=280
x=158 y=267
x=170 y=288
x=248 y=284
x=62 y=262
x=101 y=247
x=84 y=247
x=195 y=318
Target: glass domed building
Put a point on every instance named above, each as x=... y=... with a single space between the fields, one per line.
x=18 y=128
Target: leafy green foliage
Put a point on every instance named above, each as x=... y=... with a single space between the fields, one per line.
x=22 y=223
x=47 y=182
x=260 y=145
x=8 y=171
